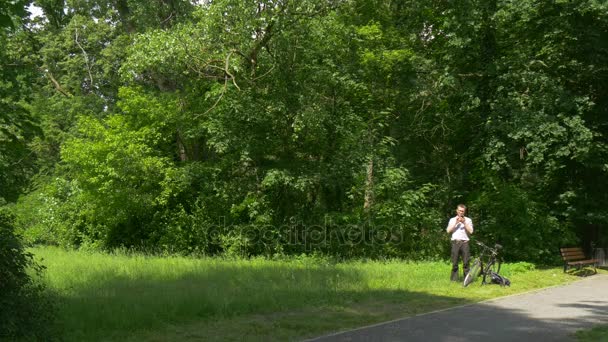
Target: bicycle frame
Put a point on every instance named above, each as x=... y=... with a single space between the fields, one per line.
x=487 y=269
x=484 y=264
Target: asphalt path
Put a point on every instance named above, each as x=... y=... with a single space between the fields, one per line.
x=551 y=314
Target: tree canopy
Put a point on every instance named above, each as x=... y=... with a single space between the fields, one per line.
x=345 y=127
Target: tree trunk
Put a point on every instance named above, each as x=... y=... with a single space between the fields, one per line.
x=369 y=185
x=181 y=148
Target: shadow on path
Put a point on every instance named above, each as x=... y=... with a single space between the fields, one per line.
x=546 y=315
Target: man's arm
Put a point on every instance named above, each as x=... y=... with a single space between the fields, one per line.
x=468 y=225
x=451 y=225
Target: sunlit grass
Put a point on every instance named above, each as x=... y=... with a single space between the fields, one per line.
x=136 y=297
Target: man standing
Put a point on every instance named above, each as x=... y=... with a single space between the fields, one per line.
x=460 y=227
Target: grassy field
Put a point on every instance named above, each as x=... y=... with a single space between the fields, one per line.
x=134 y=297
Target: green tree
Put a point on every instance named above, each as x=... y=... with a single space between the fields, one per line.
x=163 y=122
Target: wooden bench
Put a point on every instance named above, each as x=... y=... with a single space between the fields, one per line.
x=574 y=257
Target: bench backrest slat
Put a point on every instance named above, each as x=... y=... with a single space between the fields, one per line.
x=571 y=249
x=574 y=253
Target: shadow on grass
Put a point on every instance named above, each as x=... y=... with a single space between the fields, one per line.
x=110 y=306
x=552 y=315
x=583 y=272
x=240 y=301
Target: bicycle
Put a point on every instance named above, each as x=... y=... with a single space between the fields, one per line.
x=485 y=264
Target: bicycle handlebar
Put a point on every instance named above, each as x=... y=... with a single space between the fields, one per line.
x=494 y=250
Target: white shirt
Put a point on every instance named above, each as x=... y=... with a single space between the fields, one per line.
x=460 y=233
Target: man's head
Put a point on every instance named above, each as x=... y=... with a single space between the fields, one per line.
x=461 y=209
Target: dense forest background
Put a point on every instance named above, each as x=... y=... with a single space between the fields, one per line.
x=342 y=127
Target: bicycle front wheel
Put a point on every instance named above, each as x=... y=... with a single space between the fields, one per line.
x=473 y=273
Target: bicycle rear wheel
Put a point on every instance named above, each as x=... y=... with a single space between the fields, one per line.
x=473 y=273
x=495 y=267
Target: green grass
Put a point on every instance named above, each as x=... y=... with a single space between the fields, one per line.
x=133 y=297
x=599 y=333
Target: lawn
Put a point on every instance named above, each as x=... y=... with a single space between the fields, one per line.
x=124 y=297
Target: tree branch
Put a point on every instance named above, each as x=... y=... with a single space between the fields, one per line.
x=227 y=64
x=57 y=85
x=86 y=57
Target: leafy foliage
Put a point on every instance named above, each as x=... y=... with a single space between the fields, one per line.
x=349 y=128
x=25 y=308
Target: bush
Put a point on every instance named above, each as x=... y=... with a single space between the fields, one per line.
x=26 y=311
x=506 y=214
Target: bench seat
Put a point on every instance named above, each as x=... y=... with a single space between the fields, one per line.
x=575 y=257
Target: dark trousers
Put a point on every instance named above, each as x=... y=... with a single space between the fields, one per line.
x=458 y=247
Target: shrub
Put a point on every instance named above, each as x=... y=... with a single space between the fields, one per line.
x=26 y=310
x=506 y=214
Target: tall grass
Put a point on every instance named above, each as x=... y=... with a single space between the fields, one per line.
x=121 y=296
